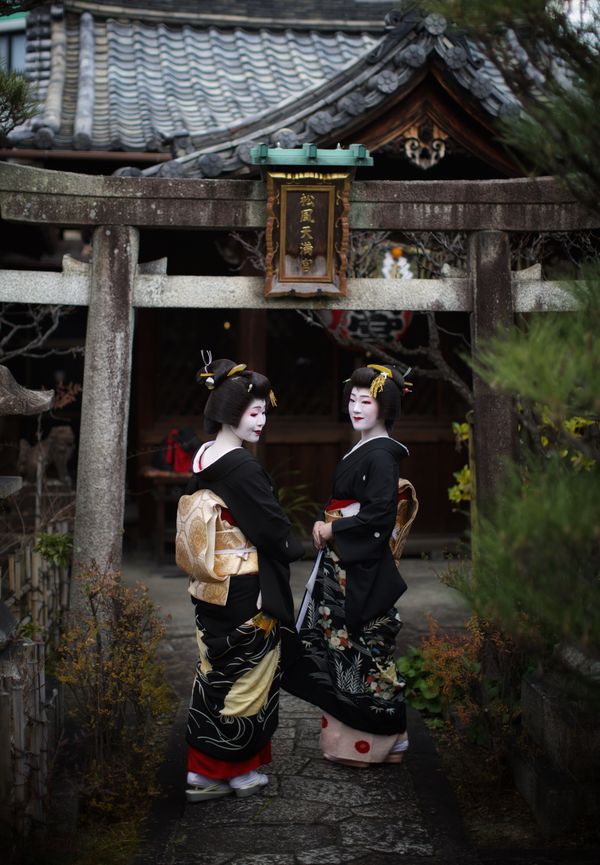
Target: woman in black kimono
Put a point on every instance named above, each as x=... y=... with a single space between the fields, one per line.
x=234 y=705
x=349 y=625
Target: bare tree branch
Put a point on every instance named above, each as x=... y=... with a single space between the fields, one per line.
x=26 y=329
x=255 y=249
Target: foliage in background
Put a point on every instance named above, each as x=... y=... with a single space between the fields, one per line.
x=538 y=552
x=17 y=103
x=480 y=674
x=471 y=678
x=553 y=362
x=108 y=661
x=539 y=555
x=295 y=500
x=579 y=428
x=55 y=547
x=422 y=688
x=298 y=506
x=461 y=491
x=549 y=57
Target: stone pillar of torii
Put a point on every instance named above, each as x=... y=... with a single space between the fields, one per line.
x=102 y=457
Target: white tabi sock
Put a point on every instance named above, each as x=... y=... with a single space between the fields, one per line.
x=197 y=780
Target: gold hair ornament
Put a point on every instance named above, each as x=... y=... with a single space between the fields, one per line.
x=379 y=380
x=240 y=367
x=272 y=398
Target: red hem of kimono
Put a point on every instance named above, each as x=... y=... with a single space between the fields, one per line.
x=213 y=768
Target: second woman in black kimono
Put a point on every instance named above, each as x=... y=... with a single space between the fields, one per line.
x=350 y=626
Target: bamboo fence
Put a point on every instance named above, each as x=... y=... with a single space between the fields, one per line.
x=36 y=593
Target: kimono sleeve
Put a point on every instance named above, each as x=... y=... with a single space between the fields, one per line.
x=260 y=517
x=363 y=536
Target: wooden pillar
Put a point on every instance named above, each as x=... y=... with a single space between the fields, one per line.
x=494 y=416
x=253 y=339
x=105 y=400
x=252 y=348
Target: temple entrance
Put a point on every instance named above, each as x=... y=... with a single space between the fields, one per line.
x=307 y=433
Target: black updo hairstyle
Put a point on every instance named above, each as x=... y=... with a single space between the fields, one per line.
x=230 y=395
x=389 y=397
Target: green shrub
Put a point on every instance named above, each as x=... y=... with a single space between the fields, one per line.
x=423 y=690
x=538 y=555
x=108 y=660
x=56 y=548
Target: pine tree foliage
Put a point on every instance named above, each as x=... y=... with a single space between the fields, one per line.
x=538 y=556
x=538 y=553
x=537 y=564
x=17 y=103
x=552 y=360
x=9 y=7
x=549 y=55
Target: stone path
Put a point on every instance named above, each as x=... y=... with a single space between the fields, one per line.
x=312 y=812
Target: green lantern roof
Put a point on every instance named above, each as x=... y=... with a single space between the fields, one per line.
x=310 y=154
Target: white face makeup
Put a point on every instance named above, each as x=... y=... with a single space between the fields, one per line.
x=363 y=410
x=252 y=421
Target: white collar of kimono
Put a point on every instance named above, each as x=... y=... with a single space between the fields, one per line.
x=364 y=442
x=196 y=467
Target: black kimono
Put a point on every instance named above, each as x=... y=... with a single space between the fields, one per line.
x=235 y=698
x=348 y=635
x=369 y=474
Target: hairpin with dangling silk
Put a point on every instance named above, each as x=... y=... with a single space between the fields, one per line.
x=406 y=385
x=206 y=376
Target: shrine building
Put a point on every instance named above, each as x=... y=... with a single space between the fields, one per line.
x=150 y=89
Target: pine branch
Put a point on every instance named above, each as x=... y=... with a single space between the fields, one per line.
x=9 y=7
x=589 y=449
x=17 y=102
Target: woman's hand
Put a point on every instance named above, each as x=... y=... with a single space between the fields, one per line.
x=322 y=533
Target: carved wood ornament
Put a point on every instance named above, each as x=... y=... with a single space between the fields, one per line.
x=425 y=143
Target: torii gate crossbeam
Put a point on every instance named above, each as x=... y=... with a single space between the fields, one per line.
x=118 y=207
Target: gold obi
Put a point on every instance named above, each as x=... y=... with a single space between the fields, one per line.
x=408 y=505
x=209 y=549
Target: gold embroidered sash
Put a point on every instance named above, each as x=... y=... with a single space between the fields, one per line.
x=209 y=549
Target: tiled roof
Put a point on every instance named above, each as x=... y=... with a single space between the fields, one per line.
x=163 y=82
x=209 y=93
x=144 y=82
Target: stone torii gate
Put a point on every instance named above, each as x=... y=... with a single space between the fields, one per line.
x=114 y=284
